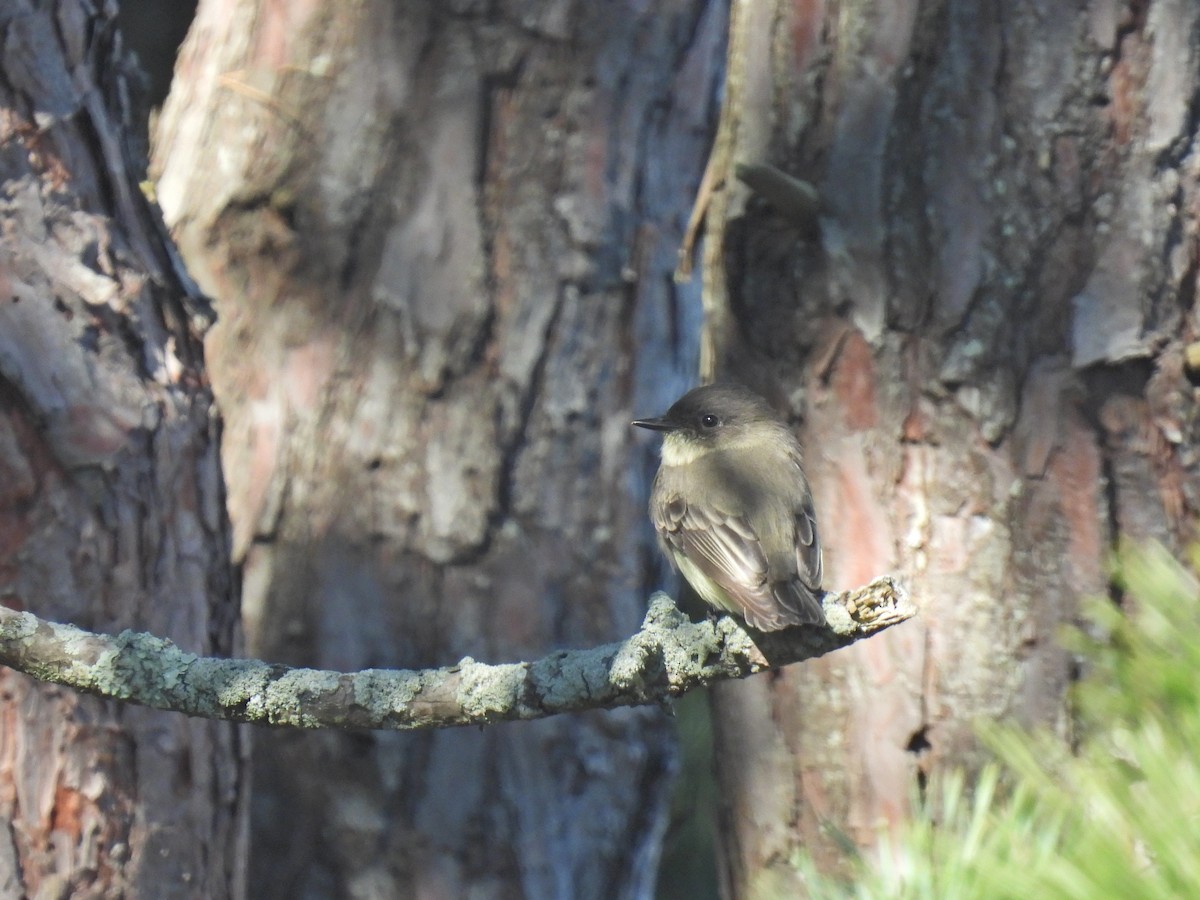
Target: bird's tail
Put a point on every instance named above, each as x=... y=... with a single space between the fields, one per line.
x=798 y=604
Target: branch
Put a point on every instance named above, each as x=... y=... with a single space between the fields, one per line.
x=668 y=656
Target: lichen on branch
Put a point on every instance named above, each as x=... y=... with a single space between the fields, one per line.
x=668 y=656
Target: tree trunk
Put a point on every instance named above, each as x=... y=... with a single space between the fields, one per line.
x=111 y=497
x=988 y=347
x=441 y=238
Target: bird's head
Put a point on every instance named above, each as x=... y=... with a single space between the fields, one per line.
x=712 y=417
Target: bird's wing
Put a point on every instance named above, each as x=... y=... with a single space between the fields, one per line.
x=725 y=548
x=808 y=543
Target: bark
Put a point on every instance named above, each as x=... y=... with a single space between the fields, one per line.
x=668 y=656
x=987 y=344
x=441 y=237
x=111 y=498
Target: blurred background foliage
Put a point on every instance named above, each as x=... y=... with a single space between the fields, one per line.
x=1119 y=816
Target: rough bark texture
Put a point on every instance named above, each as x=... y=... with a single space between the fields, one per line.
x=986 y=343
x=441 y=237
x=111 y=500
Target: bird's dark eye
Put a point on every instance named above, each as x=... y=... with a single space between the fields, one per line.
x=708 y=420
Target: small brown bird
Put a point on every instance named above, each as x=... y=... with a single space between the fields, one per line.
x=733 y=509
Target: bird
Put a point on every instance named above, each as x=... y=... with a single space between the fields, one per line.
x=733 y=509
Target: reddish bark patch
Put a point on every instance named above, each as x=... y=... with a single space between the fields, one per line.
x=1076 y=470
x=852 y=380
x=68 y=813
x=1124 y=105
x=808 y=18
x=280 y=24
x=859 y=536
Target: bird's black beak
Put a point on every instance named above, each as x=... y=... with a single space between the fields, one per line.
x=657 y=424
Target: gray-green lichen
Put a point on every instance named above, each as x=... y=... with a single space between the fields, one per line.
x=666 y=657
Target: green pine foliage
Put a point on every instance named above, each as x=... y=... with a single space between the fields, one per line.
x=1118 y=817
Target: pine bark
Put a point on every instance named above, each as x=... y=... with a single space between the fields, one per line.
x=987 y=340
x=441 y=238
x=111 y=497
